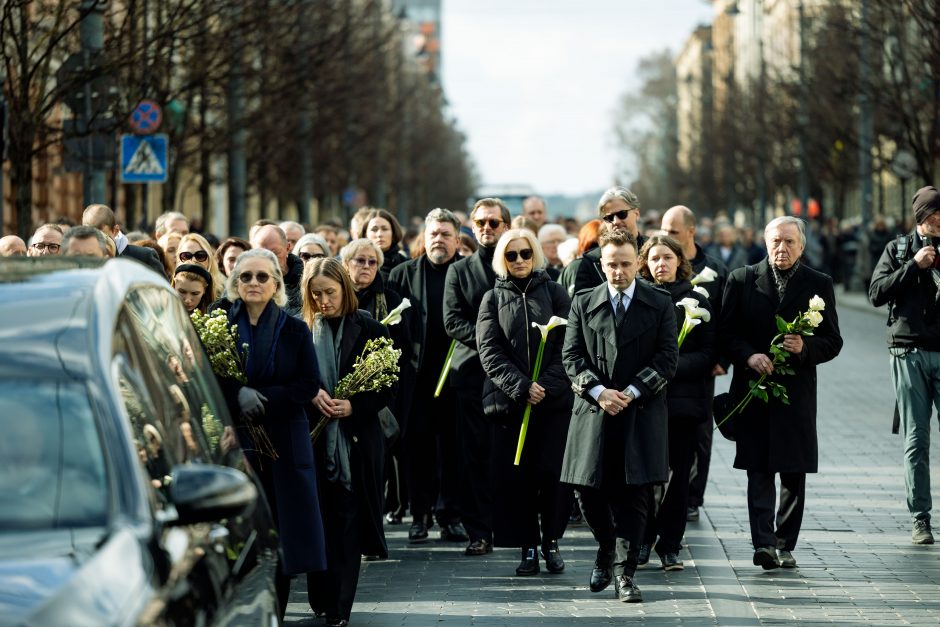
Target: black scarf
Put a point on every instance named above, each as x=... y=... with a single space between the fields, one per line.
x=782 y=277
x=261 y=338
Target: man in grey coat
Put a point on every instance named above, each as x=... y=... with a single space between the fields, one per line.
x=620 y=351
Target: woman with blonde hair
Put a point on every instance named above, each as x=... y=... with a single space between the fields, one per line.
x=350 y=453
x=194 y=248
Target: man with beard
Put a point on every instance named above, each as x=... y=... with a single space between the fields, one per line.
x=679 y=223
x=467 y=281
x=429 y=439
x=619 y=208
x=776 y=437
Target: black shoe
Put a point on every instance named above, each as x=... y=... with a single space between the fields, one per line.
x=671 y=561
x=336 y=622
x=626 y=590
x=766 y=558
x=392 y=518
x=643 y=554
x=786 y=559
x=418 y=532
x=529 y=564
x=603 y=570
x=454 y=532
x=479 y=547
x=692 y=514
x=552 y=556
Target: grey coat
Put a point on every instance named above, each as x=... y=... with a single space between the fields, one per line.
x=643 y=353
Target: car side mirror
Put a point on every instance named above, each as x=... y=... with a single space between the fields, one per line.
x=209 y=493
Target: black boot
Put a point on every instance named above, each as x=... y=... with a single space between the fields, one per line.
x=552 y=556
x=529 y=564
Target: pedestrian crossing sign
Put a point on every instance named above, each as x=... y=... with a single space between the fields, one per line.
x=143 y=158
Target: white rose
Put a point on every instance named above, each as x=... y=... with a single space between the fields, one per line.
x=816 y=303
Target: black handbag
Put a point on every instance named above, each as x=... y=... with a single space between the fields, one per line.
x=390 y=428
x=721 y=405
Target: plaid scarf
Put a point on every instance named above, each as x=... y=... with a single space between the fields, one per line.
x=782 y=277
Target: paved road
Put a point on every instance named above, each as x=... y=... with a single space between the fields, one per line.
x=856 y=562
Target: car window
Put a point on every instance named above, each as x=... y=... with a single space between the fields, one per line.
x=52 y=469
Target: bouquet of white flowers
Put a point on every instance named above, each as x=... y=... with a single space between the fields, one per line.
x=374 y=369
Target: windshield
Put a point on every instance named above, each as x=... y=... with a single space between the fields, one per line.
x=52 y=472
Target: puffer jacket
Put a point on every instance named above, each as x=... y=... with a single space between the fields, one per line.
x=508 y=345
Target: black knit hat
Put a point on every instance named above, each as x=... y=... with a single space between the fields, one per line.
x=926 y=203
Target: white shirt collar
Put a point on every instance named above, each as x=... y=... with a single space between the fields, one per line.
x=628 y=293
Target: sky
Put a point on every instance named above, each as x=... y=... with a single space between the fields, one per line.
x=534 y=83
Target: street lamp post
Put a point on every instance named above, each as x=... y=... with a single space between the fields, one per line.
x=91 y=32
x=803 y=118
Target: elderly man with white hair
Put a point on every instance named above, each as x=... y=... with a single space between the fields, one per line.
x=12 y=246
x=550 y=236
x=294 y=231
x=271 y=237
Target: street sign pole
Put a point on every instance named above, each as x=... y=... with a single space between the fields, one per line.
x=92 y=38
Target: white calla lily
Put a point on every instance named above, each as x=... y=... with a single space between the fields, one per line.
x=701 y=290
x=394 y=316
x=692 y=309
x=707 y=275
x=554 y=321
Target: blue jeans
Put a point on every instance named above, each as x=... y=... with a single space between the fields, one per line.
x=917 y=385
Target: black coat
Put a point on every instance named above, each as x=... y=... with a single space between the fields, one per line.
x=689 y=395
x=295 y=271
x=292 y=383
x=774 y=437
x=508 y=346
x=589 y=273
x=466 y=283
x=364 y=433
x=643 y=353
x=391 y=260
x=146 y=256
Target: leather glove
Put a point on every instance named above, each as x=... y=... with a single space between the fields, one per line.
x=251 y=402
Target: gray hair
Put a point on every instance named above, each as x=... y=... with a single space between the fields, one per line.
x=499 y=255
x=548 y=230
x=290 y=224
x=312 y=238
x=778 y=222
x=349 y=251
x=231 y=283
x=163 y=218
x=442 y=215
x=615 y=192
x=49 y=226
x=85 y=232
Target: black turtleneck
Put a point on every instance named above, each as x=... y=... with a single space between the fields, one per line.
x=486 y=256
x=436 y=341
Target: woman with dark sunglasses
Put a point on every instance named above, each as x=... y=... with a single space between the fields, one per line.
x=530 y=508
x=311 y=246
x=283 y=376
x=362 y=259
x=193 y=248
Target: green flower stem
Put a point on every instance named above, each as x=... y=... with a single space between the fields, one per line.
x=446 y=369
x=528 y=408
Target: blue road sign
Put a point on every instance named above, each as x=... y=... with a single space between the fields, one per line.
x=146 y=117
x=143 y=158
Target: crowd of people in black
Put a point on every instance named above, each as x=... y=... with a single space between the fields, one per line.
x=541 y=377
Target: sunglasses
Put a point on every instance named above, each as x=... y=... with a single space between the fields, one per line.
x=308 y=256
x=200 y=256
x=493 y=222
x=362 y=261
x=621 y=215
x=525 y=253
x=246 y=277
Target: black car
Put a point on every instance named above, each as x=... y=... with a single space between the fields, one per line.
x=124 y=497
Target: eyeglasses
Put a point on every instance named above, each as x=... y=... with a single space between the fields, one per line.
x=246 y=277
x=362 y=261
x=200 y=256
x=493 y=222
x=53 y=248
x=620 y=215
x=525 y=253
x=308 y=256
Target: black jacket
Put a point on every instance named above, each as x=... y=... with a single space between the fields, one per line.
x=913 y=320
x=146 y=256
x=391 y=260
x=295 y=270
x=689 y=395
x=508 y=346
x=466 y=283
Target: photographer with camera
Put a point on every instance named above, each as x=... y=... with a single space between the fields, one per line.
x=907 y=279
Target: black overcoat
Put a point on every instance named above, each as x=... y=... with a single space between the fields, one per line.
x=364 y=434
x=774 y=437
x=466 y=283
x=643 y=353
x=689 y=395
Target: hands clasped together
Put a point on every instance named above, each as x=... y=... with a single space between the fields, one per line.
x=332 y=407
x=613 y=401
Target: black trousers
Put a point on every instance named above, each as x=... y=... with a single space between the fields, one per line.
x=430 y=445
x=334 y=590
x=616 y=515
x=761 y=499
x=702 y=454
x=475 y=442
x=668 y=523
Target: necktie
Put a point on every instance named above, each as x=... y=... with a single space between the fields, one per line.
x=620 y=312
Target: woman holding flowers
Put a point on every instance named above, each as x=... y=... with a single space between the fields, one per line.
x=362 y=259
x=280 y=377
x=351 y=449
x=776 y=433
x=508 y=342
x=663 y=263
